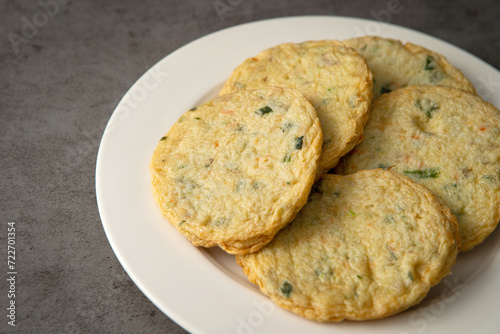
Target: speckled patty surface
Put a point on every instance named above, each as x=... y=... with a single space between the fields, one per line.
x=334 y=78
x=236 y=169
x=395 y=65
x=444 y=138
x=365 y=246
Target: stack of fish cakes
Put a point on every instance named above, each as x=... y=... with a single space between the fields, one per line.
x=238 y=171
x=235 y=170
x=440 y=133
x=444 y=138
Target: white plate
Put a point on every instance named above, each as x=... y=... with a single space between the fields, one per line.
x=204 y=290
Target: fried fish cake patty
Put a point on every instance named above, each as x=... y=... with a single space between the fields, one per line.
x=444 y=138
x=236 y=169
x=395 y=65
x=365 y=246
x=335 y=79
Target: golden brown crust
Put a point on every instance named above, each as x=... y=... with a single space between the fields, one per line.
x=365 y=246
x=238 y=168
x=335 y=79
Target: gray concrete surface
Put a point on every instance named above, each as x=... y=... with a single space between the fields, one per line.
x=64 y=65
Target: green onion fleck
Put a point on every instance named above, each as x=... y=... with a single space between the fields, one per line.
x=429 y=64
x=410 y=275
x=298 y=142
x=163 y=138
x=392 y=253
x=426 y=106
x=287 y=126
x=193 y=109
x=264 y=110
x=286 y=289
x=428 y=173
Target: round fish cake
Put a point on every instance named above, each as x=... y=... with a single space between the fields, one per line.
x=335 y=79
x=444 y=138
x=395 y=65
x=365 y=246
x=236 y=169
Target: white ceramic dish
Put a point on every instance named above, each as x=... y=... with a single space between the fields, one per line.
x=204 y=290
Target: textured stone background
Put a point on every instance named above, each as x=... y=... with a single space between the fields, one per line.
x=59 y=84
